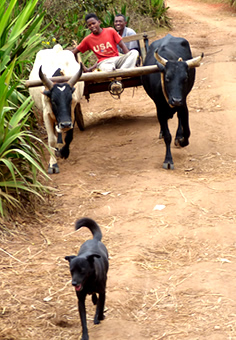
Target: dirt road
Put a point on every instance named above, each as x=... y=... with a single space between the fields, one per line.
x=172 y=271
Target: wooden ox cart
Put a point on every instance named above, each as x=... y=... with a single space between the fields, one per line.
x=101 y=81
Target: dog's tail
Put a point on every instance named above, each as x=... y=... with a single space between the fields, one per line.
x=91 y=225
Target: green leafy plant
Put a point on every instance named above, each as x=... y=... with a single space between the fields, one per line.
x=233 y=3
x=22 y=174
x=20 y=34
x=109 y=17
x=20 y=152
x=155 y=9
x=20 y=39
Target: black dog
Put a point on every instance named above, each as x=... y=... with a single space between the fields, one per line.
x=89 y=273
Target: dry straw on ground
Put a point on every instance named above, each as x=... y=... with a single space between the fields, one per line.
x=37 y=287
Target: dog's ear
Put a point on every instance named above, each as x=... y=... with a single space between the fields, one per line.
x=69 y=258
x=90 y=258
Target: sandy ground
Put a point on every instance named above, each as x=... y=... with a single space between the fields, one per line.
x=172 y=271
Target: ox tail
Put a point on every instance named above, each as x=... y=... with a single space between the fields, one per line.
x=91 y=225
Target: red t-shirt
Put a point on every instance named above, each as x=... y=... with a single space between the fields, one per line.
x=103 y=45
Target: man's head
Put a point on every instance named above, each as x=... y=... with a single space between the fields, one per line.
x=120 y=23
x=93 y=23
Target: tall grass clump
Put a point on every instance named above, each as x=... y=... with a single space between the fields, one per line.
x=22 y=173
x=233 y=3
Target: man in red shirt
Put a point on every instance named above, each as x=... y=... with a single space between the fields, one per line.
x=103 y=42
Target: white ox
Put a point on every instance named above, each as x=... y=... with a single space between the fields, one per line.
x=57 y=101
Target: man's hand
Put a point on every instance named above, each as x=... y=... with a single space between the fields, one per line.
x=123 y=46
x=89 y=69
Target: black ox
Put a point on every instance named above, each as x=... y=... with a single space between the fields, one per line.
x=169 y=88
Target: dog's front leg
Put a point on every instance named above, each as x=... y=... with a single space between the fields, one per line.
x=82 y=313
x=100 y=308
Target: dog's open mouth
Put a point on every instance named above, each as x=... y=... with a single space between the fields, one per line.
x=78 y=288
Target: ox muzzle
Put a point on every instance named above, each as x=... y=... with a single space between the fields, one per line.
x=175 y=102
x=64 y=126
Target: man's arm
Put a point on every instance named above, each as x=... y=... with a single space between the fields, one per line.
x=75 y=51
x=123 y=46
x=90 y=69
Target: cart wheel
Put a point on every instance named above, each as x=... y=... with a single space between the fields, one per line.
x=79 y=117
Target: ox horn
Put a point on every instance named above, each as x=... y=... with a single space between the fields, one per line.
x=46 y=82
x=161 y=60
x=76 y=77
x=194 y=62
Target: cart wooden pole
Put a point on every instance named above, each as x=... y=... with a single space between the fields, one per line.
x=95 y=77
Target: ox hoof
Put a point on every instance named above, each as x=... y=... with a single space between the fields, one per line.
x=57 y=153
x=168 y=166
x=64 y=152
x=177 y=142
x=182 y=142
x=54 y=169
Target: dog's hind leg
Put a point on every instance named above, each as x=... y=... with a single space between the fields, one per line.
x=82 y=313
x=100 y=308
x=94 y=298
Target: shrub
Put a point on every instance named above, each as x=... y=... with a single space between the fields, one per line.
x=21 y=167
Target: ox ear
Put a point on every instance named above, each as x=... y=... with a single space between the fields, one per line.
x=47 y=93
x=161 y=68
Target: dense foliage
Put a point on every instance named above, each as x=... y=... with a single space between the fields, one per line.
x=21 y=168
